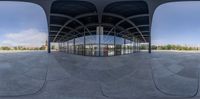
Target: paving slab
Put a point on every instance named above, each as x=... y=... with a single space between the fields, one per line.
x=160 y=75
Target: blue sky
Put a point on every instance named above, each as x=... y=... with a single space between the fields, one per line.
x=173 y=23
x=20 y=19
x=177 y=23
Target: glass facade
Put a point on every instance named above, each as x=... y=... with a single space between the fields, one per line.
x=100 y=45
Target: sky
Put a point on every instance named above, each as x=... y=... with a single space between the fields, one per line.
x=22 y=24
x=177 y=23
x=173 y=23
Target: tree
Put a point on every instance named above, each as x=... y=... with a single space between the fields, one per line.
x=42 y=47
x=5 y=48
x=53 y=47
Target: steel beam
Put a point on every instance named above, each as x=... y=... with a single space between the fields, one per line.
x=69 y=21
x=128 y=20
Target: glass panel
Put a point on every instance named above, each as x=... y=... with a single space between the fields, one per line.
x=79 y=45
x=71 y=46
x=119 y=47
x=128 y=46
x=107 y=45
x=92 y=45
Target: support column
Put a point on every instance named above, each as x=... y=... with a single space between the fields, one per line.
x=92 y=48
x=74 y=50
x=49 y=45
x=84 y=44
x=107 y=49
x=133 y=45
x=149 y=44
x=99 y=41
x=61 y=46
x=115 y=42
x=67 y=47
x=138 y=45
x=124 y=47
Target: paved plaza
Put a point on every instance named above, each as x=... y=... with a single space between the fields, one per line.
x=39 y=75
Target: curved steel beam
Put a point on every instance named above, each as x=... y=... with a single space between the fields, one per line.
x=122 y=35
x=71 y=19
x=131 y=17
x=65 y=37
x=91 y=14
x=76 y=30
x=128 y=20
x=137 y=33
x=95 y=24
x=134 y=28
x=71 y=29
x=63 y=33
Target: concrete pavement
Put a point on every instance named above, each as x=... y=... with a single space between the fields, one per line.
x=38 y=75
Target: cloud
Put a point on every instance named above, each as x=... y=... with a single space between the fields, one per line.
x=29 y=37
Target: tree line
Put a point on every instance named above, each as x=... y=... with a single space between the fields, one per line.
x=22 y=48
x=170 y=47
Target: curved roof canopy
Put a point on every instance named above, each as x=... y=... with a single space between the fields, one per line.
x=72 y=19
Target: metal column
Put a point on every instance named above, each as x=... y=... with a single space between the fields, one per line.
x=115 y=42
x=84 y=44
x=99 y=41
x=150 y=42
x=67 y=47
x=49 y=45
x=61 y=46
x=137 y=46
x=124 y=47
x=133 y=45
x=107 y=49
x=74 y=46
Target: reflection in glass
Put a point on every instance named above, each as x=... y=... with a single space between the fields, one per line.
x=99 y=45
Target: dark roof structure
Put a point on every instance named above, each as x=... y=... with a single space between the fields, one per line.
x=69 y=19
